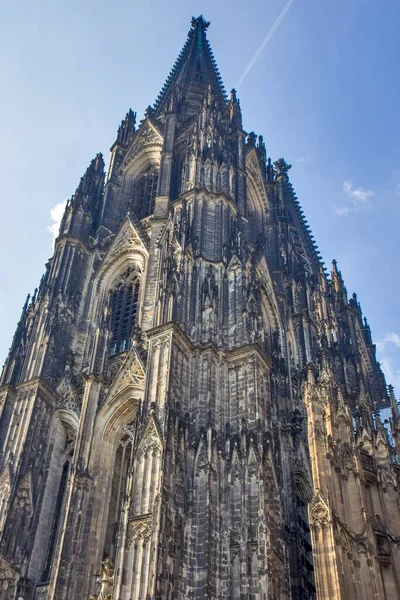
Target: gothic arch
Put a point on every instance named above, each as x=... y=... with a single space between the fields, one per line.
x=112 y=447
x=116 y=414
x=319 y=511
x=125 y=259
x=63 y=433
x=255 y=213
x=128 y=249
x=123 y=399
x=145 y=150
x=268 y=322
x=147 y=459
x=69 y=420
x=257 y=201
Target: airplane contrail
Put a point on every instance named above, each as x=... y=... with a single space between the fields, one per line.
x=263 y=44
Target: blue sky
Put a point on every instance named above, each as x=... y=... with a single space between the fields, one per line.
x=324 y=93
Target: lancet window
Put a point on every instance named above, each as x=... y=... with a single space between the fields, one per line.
x=145 y=190
x=124 y=308
x=307 y=582
x=122 y=464
x=58 y=509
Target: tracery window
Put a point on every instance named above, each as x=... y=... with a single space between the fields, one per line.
x=144 y=195
x=124 y=308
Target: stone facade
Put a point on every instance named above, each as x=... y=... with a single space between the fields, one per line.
x=190 y=406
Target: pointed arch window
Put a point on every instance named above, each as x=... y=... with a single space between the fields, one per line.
x=122 y=468
x=58 y=510
x=145 y=190
x=124 y=309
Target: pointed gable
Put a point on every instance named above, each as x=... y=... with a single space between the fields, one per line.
x=131 y=240
x=146 y=145
x=150 y=438
x=130 y=377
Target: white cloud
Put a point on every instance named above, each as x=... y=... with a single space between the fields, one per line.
x=392 y=337
x=303 y=159
x=358 y=196
x=56 y=214
x=342 y=211
x=360 y=199
x=392 y=374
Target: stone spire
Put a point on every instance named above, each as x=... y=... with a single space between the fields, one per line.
x=86 y=201
x=126 y=129
x=91 y=184
x=193 y=73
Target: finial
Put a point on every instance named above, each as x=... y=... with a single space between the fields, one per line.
x=393 y=403
x=200 y=23
x=282 y=167
x=127 y=128
x=233 y=95
x=99 y=162
x=310 y=373
x=251 y=139
x=25 y=308
x=270 y=170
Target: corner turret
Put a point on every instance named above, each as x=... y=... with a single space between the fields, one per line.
x=83 y=209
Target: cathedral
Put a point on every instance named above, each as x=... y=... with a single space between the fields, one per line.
x=191 y=405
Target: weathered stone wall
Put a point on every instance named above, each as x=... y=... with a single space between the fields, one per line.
x=233 y=449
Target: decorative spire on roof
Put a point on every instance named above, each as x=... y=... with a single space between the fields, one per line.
x=194 y=70
x=282 y=167
x=127 y=128
x=92 y=181
x=394 y=406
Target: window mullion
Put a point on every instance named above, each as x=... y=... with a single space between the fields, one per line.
x=122 y=335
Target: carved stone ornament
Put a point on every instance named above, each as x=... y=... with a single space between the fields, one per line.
x=252 y=463
x=140 y=529
x=131 y=373
x=106 y=580
x=281 y=166
x=146 y=137
x=7 y=579
x=202 y=455
x=236 y=465
x=150 y=441
x=319 y=510
x=23 y=497
x=41 y=592
x=83 y=481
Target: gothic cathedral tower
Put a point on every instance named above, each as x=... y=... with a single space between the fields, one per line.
x=190 y=406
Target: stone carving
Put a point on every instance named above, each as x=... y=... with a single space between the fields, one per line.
x=319 y=510
x=8 y=578
x=106 y=580
x=140 y=529
x=23 y=496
